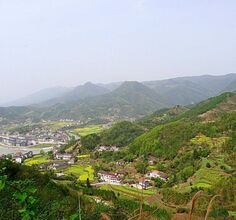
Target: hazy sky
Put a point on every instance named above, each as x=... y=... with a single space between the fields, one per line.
x=46 y=43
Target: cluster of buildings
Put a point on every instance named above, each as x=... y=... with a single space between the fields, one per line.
x=20 y=157
x=59 y=162
x=33 y=138
x=142 y=183
x=53 y=165
x=17 y=141
x=69 y=158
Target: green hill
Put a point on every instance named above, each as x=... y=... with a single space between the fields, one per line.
x=120 y=135
x=194 y=146
x=165 y=139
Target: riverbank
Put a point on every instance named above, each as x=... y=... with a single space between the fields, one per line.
x=4 y=149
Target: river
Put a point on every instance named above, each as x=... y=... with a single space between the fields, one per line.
x=12 y=150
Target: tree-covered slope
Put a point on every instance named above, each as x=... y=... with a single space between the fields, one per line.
x=166 y=139
x=120 y=135
x=192 y=89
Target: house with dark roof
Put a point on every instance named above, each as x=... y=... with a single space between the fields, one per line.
x=58 y=165
x=142 y=183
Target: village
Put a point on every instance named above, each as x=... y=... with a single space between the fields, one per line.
x=72 y=163
x=84 y=168
x=34 y=137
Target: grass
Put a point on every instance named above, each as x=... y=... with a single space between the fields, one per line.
x=232 y=214
x=82 y=173
x=151 y=167
x=205 y=177
x=92 y=129
x=202 y=139
x=217 y=162
x=83 y=156
x=128 y=190
x=37 y=159
x=208 y=176
x=59 y=124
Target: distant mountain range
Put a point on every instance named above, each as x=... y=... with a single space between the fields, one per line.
x=40 y=96
x=78 y=93
x=119 y=100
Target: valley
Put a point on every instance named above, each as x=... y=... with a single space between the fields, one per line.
x=117 y=110
x=160 y=161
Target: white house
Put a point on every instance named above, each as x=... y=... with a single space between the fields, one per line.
x=63 y=156
x=109 y=177
x=157 y=174
x=60 y=174
x=19 y=159
x=67 y=156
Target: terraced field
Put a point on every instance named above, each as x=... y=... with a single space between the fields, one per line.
x=88 y=130
x=37 y=159
x=82 y=173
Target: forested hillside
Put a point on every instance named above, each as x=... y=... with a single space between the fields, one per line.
x=195 y=146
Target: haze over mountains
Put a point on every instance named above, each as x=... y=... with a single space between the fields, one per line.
x=39 y=96
x=129 y=99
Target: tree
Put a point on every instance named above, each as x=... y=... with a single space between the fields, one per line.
x=88 y=183
x=187 y=172
x=42 y=152
x=141 y=167
x=121 y=134
x=50 y=154
x=159 y=182
x=208 y=165
x=90 y=141
x=195 y=154
x=219 y=213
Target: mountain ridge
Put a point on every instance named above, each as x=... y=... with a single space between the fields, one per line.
x=130 y=100
x=203 y=87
